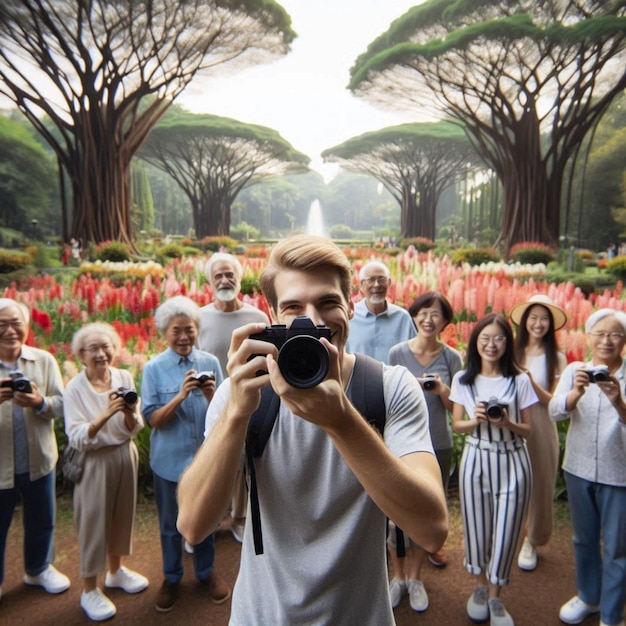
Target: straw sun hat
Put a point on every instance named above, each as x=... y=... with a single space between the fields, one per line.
x=558 y=314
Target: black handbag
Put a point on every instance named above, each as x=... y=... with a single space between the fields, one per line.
x=73 y=464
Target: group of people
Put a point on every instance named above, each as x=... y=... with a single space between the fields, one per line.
x=333 y=492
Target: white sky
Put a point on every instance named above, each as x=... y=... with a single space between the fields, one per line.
x=303 y=95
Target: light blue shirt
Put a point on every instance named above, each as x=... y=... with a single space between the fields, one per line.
x=173 y=446
x=374 y=334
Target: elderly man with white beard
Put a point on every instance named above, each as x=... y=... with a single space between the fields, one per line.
x=219 y=319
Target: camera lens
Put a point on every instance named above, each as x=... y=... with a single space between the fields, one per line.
x=130 y=396
x=303 y=361
x=429 y=384
x=22 y=385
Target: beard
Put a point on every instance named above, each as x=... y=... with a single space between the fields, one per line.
x=377 y=298
x=226 y=295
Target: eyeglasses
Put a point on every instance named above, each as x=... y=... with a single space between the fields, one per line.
x=372 y=280
x=96 y=348
x=484 y=340
x=611 y=336
x=424 y=315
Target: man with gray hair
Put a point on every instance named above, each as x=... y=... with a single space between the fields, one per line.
x=219 y=319
x=377 y=325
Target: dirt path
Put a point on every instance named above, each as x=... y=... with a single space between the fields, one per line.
x=533 y=598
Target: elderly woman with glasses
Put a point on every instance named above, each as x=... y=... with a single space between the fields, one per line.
x=592 y=396
x=101 y=418
x=176 y=389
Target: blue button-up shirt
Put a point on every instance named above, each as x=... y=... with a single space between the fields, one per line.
x=173 y=446
x=374 y=334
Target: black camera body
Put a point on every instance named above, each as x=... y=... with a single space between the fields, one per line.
x=429 y=382
x=202 y=377
x=598 y=374
x=494 y=409
x=129 y=395
x=302 y=358
x=18 y=383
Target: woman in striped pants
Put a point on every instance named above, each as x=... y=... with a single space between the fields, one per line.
x=491 y=400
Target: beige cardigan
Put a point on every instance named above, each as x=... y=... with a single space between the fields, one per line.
x=41 y=367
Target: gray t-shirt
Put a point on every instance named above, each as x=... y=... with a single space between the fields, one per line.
x=216 y=328
x=324 y=559
x=447 y=363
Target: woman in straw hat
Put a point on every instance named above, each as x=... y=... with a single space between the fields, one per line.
x=537 y=352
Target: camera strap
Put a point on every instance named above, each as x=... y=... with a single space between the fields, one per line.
x=366 y=394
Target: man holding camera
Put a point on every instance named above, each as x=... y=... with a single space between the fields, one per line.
x=326 y=479
x=219 y=319
x=31 y=396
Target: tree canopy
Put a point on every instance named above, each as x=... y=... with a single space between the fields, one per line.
x=105 y=72
x=415 y=162
x=213 y=158
x=528 y=80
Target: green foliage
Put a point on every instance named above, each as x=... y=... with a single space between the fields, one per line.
x=341 y=231
x=531 y=252
x=617 y=267
x=248 y=282
x=13 y=260
x=244 y=231
x=168 y=252
x=114 y=251
x=421 y=244
x=474 y=256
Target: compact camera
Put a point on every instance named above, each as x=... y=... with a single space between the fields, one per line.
x=598 y=374
x=202 y=377
x=302 y=358
x=129 y=395
x=18 y=383
x=429 y=382
x=494 y=409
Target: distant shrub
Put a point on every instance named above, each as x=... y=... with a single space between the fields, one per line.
x=421 y=244
x=244 y=231
x=114 y=251
x=13 y=260
x=341 y=231
x=213 y=244
x=531 y=252
x=475 y=256
x=617 y=267
x=168 y=252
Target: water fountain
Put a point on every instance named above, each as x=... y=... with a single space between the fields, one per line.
x=315 y=222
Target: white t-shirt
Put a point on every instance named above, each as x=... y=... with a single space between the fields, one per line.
x=324 y=559
x=516 y=393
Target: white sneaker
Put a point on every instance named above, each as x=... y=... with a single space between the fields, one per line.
x=575 y=610
x=477 y=608
x=397 y=590
x=605 y=624
x=126 y=579
x=527 y=559
x=498 y=615
x=418 y=598
x=96 y=605
x=50 y=579
x=188 y=547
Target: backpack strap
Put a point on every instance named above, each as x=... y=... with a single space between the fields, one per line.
x=366 y=394
x=259 y=431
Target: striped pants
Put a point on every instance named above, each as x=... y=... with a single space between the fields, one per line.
x=496 y=482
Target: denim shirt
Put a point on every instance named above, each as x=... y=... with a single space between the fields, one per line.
x=173 y=446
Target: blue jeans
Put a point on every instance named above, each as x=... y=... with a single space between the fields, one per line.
x=599 y=512
x=39 y=513
x=172 y=540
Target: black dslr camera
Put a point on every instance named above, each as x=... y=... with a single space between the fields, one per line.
x=129 y=395
x=302 y=358
x=429 y=382
x=18 y=383
x=598 y=374
x=494 y=409
x=202 y=377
